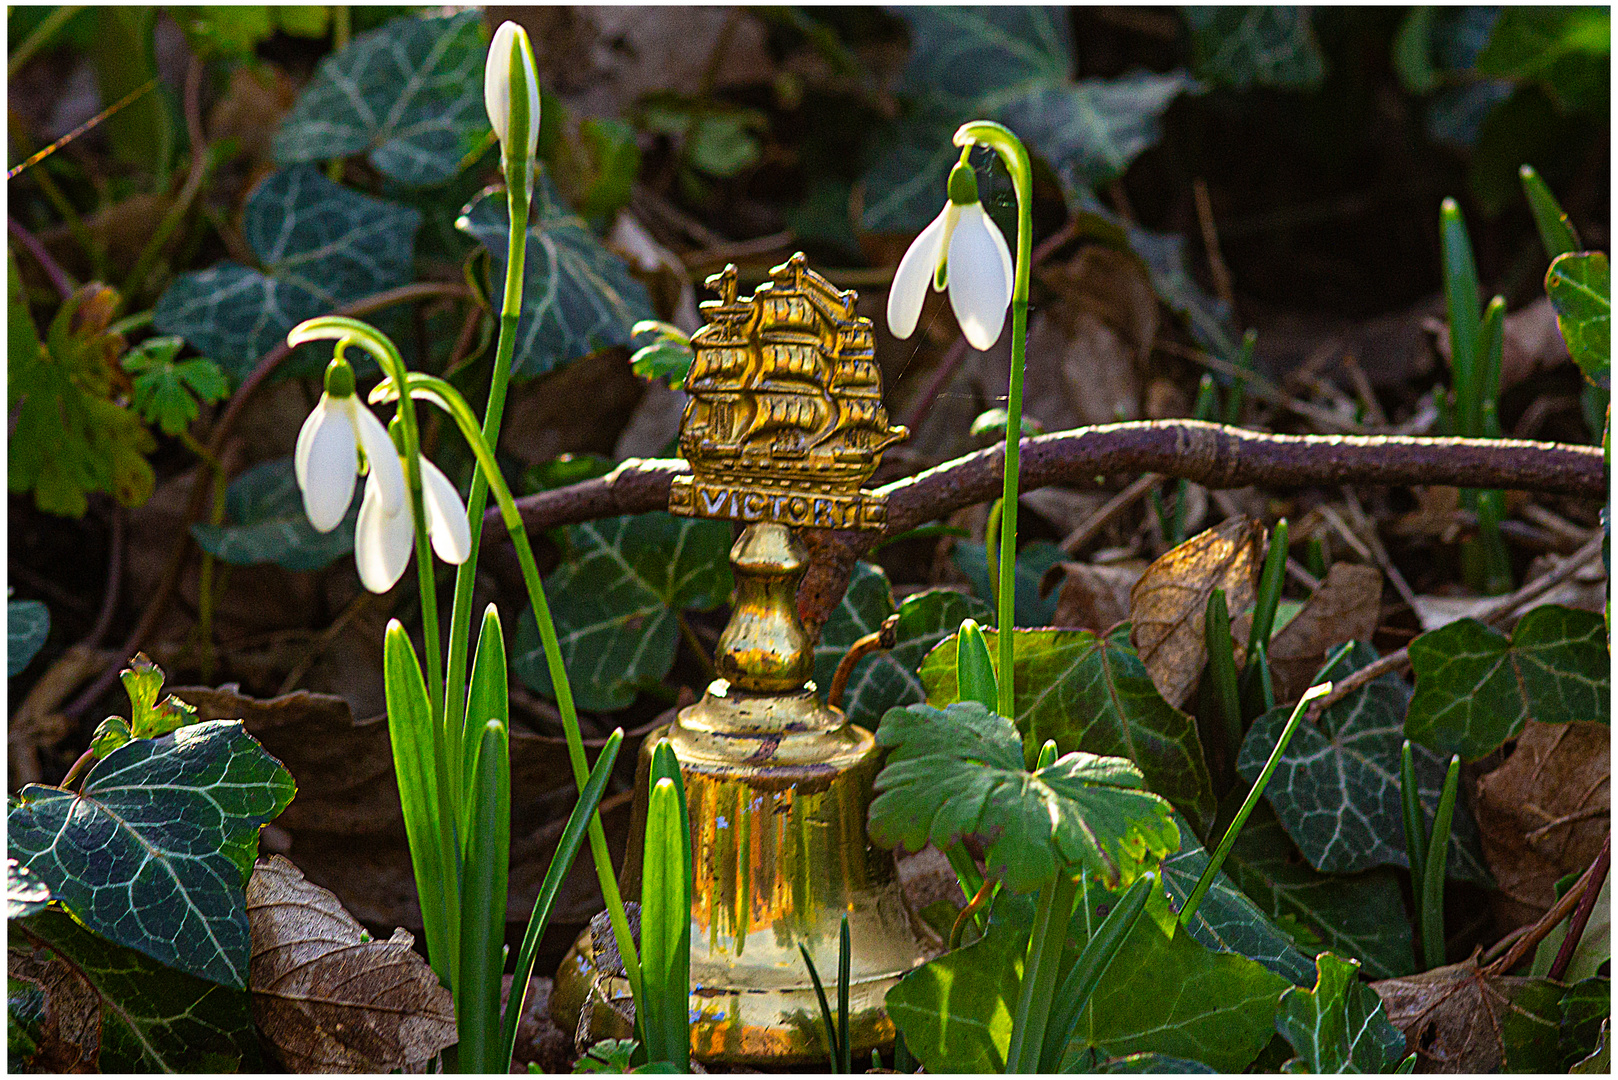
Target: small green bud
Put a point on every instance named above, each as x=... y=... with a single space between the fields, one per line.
x=339 y=378
x=396 y=432
x=963 y=185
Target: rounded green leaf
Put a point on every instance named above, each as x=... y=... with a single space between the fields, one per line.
x=1580 y=288
x=266 y=523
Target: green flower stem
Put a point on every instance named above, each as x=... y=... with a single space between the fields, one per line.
x=1205 y=882
x=1000 y=139
x=1415 y=821
x=1432 y=883
x=519 y=195
x=449 y=399
x=1054 y=909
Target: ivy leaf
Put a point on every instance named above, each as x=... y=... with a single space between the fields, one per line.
x=1360 y=915
x=1586 y=1010
x=408 y=95
x=155 y=849
x=885 y=679
x=1010 y=64
x=1093 y=694
x=166 y=393
x=1339 y=1025
x=1580 y=287
x=1174 y=996
x=320 y=246
x=268 y=524
x=1028 y=607
x=28 y=624
x=1476 y=688
x=69 y=437
x=1336 y=789
x=114 y=1010
x=577 y=296
x=1243 y=47
x=959 y=772
x=668 y=356
x=142 y=681
x=1227 y=920
x=25 y=892
x=616 y=601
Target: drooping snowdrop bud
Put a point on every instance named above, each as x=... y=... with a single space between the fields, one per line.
x=511 y=84
x=963 y=249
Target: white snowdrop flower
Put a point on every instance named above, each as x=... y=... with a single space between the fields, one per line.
x=963 y=248
x=327 y=457
x=382 y=543
x=511 y=55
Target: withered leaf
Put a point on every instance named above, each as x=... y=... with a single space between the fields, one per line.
x=1094 y=598
x=1168 y=603
x=1544 y=812
x=1344 y=608
x=1457 y=1019
x=326 y=998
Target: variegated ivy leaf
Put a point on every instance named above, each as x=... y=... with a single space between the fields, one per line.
x=320 y=246
x=408 y=95
x=1339 y=1025
x=616 y=602
x=885 y=679
x=1259 y=45
x=154 y=850
x=578 y=297
x=1336 y=789
x=266 y=523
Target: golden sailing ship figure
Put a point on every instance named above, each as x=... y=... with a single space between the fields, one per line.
x=784 y=424
x=785 y=420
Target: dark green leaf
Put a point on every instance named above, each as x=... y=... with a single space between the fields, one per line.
x=885 y=679
x=1586 y=1010
x=166 y=393
x=25 y=892
x=408 y=95
x=268 y=524
x=1360 y=915
x=320 y=245
x=28 y=624
x=607 y=1056
x=1175 y=997
x=577 y=296
x=616 y=599
x=959 y=772
x=1092 y=1060
x=1475 y=688
x=1336 y=789
x=1093 y=694
x=663 y=359
x=1599 y=1063
x=1226 y=920
x=1566 y=49
x=1580 y=288
x=1030 y=609
x=1339 y=1026
x=1242 y=47
x=121 y=1012
x=155 y=849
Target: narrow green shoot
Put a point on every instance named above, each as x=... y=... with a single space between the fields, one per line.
x=1556 y=232
x=1437 y=863
x=483 y=907
x=1205 y=882
x=839 y=1049
x=1092 y=964
x=1032 y=1017
x=974 y=669
x=1258 y=685
x=1485 y=561
x=1415 y=820
x=567 y=849
x=1222 y=670
x=1236 y=399
x=1314 y=558
x=1461 y=301
x=991 y=552
x=486 y=700
x=1270 y=581
x=666 y=915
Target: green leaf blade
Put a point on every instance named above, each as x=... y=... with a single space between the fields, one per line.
x=1580 y=288
x=154 y=851
x=1339 y=1025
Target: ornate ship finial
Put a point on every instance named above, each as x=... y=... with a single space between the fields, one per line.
x=785 y=420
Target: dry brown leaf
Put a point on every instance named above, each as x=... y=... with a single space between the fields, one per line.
x=1344 y=608
x=326 y=997
x=1544 y=812
x=1094 y=597
x=1453 y=1018
x=1169 y=602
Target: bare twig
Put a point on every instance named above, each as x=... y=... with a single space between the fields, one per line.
x=1581 y=914
x=1075 y=540
x=1494 y=614
x=883 y=638
x=30 y=243
x=1367 y=528
x=1547 y=922
x=1210 y=244
x=115 y=578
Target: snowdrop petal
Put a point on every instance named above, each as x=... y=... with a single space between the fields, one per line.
x=979 y=283
x=382 y=542
x=383 y=457
x=446 y=515
x=497 y=84
x=915 y=274
x=325 y=464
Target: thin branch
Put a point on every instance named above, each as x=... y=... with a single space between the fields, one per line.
x=1547 y=922
x=30 y=243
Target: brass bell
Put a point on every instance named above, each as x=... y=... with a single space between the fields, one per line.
x=784 y=424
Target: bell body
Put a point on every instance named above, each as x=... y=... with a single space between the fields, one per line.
x=777 y=786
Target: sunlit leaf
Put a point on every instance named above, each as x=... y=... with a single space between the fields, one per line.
x=1580 y=288
x=1339 y=1025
